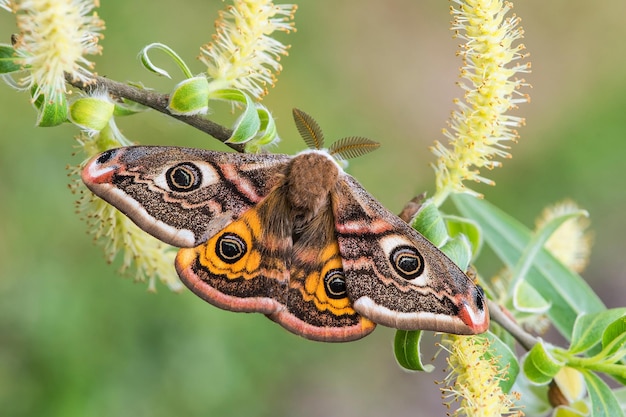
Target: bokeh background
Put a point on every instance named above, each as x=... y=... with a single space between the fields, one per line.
x=76 y=339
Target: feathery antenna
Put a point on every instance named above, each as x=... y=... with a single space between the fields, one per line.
x=309 y=129
x=352 y=147
x=344 y=148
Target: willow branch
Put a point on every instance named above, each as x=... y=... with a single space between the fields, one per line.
x=156 y=101
x=525 y=339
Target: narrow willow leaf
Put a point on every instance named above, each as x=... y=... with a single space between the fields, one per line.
x=352 y=147
x=603 y=401
x=588 y=329
x=309 y=129
x=231 y=94
x=246 y=127
x=505 y=359
x=459 y=225
x=406 y=347
x=614 y=339
x=52 y=113
x=620 y=395
x=569 y=294
x=39 y=100
x=128 y=108
x=430 y=224
x=537 y=242
x=147 y=63
x=7 y=60
x=528 y=300
x=540 y=366
x=459 y=250
x=268 y=133
x=248 y=124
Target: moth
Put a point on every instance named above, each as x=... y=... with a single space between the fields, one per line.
x=292 y=237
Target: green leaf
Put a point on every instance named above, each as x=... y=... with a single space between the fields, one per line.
x=52 y=112
x=537 y=242
x=128 y=108
x=505 y=358
x=190 y=97
x=268 y=132
x=430 y=224
x=255 y=127
x=37 y=96
x=528 y=300
x=540 y=366
x=246 y=127
x=534 y=398
x=614 y=338
x=620 y=394
x=459 y=250
x=603 y=401
x=7 y=60
x=147 y=63
x=588 y=329
x=569 y=294
x=231 y=94
x=248 y=124
x=459 y=225
x=406 y=347
x=110 y=137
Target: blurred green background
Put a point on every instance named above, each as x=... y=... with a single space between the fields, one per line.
x=78 y=340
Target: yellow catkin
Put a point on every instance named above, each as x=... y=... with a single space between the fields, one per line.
x=55 y=36
x=474 y=379
x=571 y=242
x=480 y=130
x=243 y=54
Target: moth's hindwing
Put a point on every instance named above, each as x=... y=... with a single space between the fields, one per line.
x=395 y=276
x=253 y=266
x=235 y=271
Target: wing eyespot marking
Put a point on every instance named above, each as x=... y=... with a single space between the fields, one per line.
x=230 y=248
x=335 y=284
x=184 y=177
x=407 y=262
